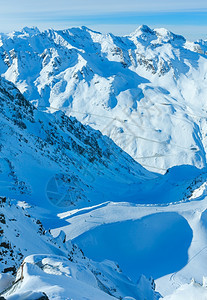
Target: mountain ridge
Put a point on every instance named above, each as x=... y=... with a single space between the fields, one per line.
x=137 y=89
x=81 y=116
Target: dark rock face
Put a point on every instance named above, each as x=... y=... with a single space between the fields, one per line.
x=44 y=297
x=31 y=295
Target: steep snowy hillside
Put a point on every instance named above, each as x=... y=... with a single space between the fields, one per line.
x=42 y=264
x=147 y=91
x=54 y=161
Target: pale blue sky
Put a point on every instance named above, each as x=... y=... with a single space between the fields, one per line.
x=187 y=17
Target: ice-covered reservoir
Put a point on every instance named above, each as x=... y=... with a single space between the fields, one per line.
x=150 y=245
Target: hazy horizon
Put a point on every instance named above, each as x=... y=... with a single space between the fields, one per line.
x=188 y=18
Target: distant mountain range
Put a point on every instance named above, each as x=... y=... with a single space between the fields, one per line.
x=147 y=91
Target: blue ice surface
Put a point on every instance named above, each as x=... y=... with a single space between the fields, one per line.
x=155 y=245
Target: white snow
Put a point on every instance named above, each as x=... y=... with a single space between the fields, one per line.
x=164 y=238
x=147 y=92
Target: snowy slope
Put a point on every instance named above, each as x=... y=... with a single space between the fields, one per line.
x=54 y=161
x=167 y=242
x=190 y=291
x=147 y=91
x=57 y=165
x=56 y=267
x=62 y=279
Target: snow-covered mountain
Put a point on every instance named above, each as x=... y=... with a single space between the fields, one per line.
x=67 y=183
x=54 y=161
x=147 y=91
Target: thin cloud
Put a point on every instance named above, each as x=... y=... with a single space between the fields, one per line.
x=93 y=6
x=116 y=16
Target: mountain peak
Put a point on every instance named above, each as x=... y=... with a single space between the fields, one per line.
x=164 y=34
x=84 y=28
x=31 y=30
x=168 y=35
x=143 y=29
x=27 y=31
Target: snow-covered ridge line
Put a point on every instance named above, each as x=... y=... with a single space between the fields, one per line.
x=146 y=90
